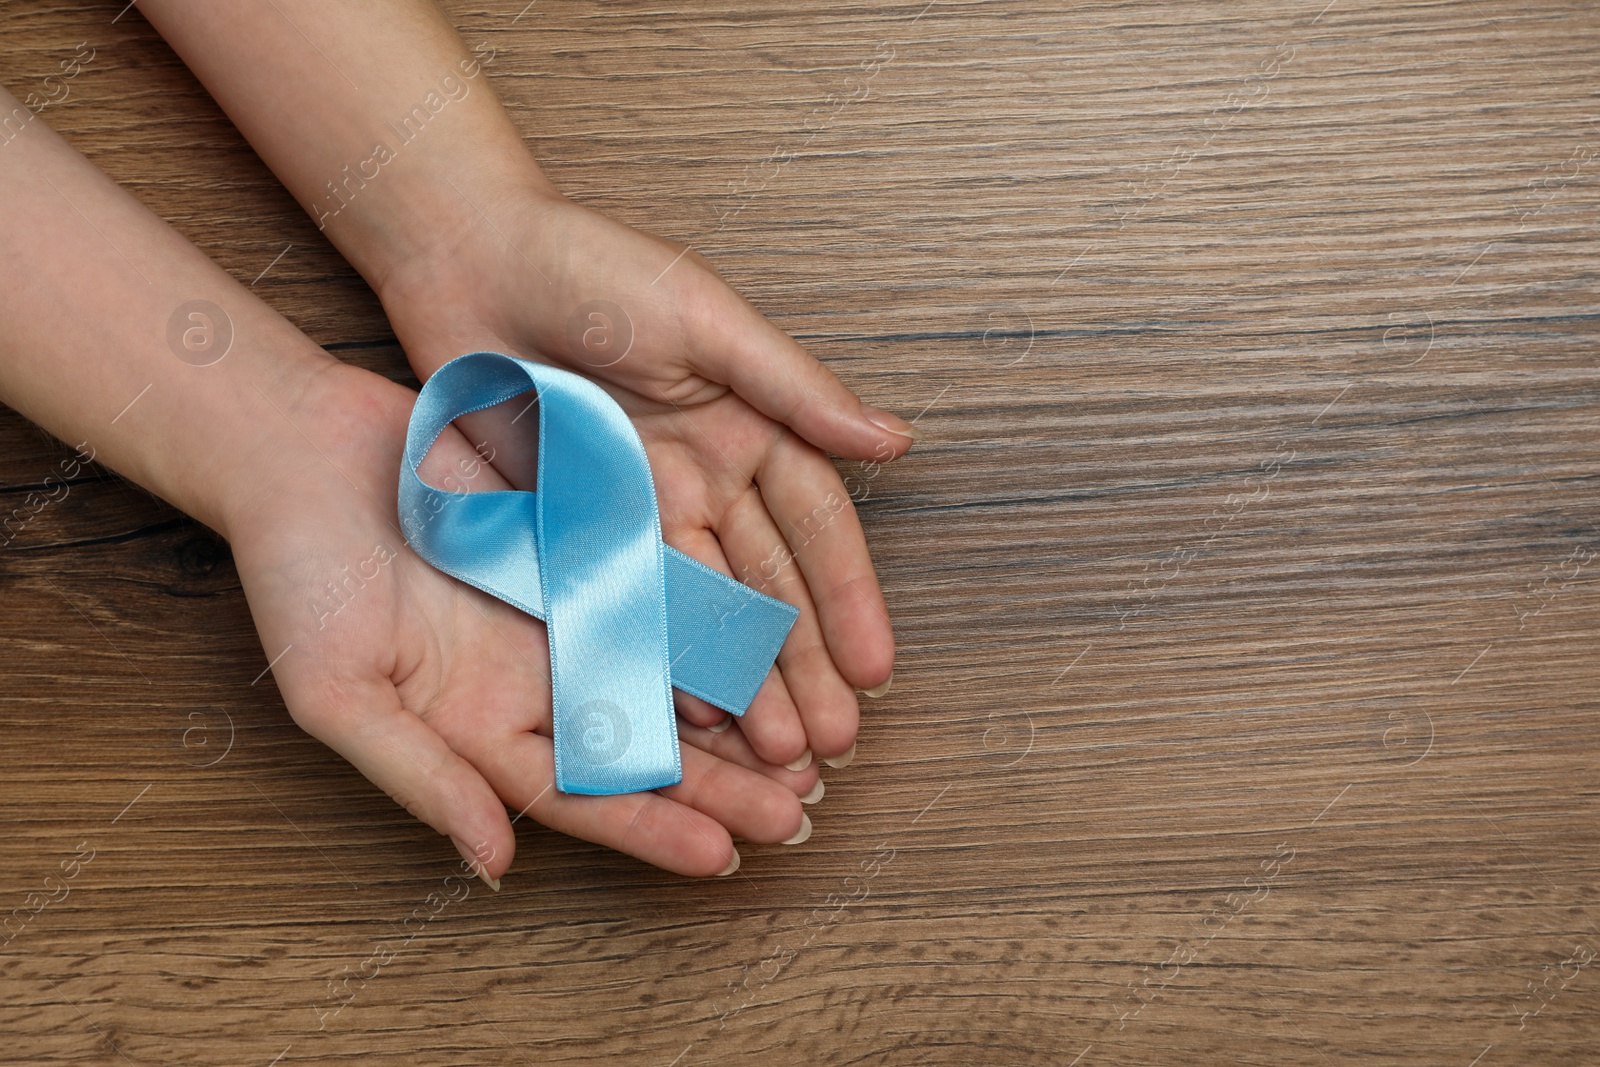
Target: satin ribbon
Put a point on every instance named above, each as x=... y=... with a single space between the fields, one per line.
x=629 y=618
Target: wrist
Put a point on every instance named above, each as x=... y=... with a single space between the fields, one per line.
x=328 y=425
x=387 y=169
x=425 y=209
x=460 y=287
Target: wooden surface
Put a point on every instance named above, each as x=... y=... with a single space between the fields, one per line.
x=1245 y=590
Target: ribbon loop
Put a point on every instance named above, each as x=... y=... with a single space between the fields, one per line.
x=628 y=617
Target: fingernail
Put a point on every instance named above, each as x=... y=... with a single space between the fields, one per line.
x=477 y=868
x=721 y=725
x=893 y=423
x=732 y=866
x=878 y=690
x=843 y=759
x=802 y=833
x=800 y=762
x=815 y=794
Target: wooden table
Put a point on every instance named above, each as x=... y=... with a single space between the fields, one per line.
x=1245 y=709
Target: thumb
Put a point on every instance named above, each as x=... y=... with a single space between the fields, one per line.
x=730 y=342
x=401 y=754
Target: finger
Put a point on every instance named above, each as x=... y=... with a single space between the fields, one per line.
x=481 y=451
x=749 y=804
x=729 y=341
x=825 y=701
x=697 y=711
x=803 y=493
x=365 y=723
x=771 y=722
x=646 y=826
x=733 y=747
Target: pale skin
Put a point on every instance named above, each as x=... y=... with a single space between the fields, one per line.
x=436 y=692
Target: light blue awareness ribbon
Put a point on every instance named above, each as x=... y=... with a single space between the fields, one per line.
x=629 y=618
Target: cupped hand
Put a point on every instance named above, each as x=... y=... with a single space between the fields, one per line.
x=435 y=691
x=735 y=417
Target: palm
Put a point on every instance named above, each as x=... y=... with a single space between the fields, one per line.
x=440 y=693
x=688 y=358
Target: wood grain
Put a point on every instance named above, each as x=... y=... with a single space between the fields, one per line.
x=1245 y=708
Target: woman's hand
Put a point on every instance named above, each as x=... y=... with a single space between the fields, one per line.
x=734 y=415
x=435 y=691
x=470 y=247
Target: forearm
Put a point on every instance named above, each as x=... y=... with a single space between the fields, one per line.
x=97 y=347
x=375 y=115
